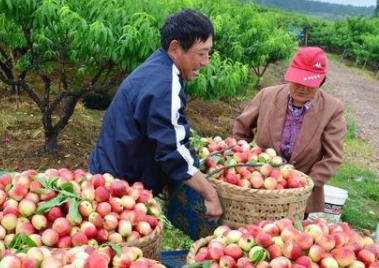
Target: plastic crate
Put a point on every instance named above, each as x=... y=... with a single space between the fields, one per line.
x=185 y=210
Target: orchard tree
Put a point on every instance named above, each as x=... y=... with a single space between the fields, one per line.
x=96 y=37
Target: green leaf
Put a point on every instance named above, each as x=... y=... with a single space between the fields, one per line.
x=43 y=191
x=8 y=187
x=257 y=256
x=116 y=248
x=26 y=239
x=51 y=183
x=38 y=264
x=299 y=226
x=203 y=264
x=54 y=202
x=15 y=242
x=40 y=180
x=68 y=187
x=73 y=211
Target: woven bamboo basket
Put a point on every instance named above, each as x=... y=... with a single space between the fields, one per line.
x=245 y=206
x=150 y=244
x=196 y=246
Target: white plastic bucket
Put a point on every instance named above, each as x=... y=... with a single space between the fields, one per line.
x=335 y=199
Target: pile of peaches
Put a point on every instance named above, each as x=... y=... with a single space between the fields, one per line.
x=60 y=208
x=77 y=257
x=285 y=244
x=240 y=163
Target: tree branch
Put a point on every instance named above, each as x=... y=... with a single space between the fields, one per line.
x=97 y=76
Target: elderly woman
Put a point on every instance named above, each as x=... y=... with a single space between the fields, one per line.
x=303 y=123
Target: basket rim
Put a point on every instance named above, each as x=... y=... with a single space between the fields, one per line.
x=196 y=246
x=286 y=191
x=148 y=239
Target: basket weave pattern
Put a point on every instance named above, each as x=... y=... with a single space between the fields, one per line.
x=196 y=246
x=150 y=244
x=245 y=206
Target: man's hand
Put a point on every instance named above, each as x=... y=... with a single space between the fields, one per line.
x=214 y=209
x=211 y=201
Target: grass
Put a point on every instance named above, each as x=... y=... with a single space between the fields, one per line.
x=361 y=210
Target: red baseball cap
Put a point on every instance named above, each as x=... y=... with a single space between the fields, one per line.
x=308 y=67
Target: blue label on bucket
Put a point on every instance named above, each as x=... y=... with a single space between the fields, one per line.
x=333 y=208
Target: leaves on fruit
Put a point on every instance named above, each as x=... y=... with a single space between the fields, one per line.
x=60 y=199
x=203 y=264
x=21 y=242
x=8 y=187
x=73 y=211
x=257 y=256
x=299 y=226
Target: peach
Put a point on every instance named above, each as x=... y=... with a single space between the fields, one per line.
x=79 y=239
x=124 y=228
x=271 y=229
x=280 y=262
x=326 y=241
x=316 y=253
x=103 y=209
x=263 y=239
x=143 y=228
x=115 y=238
x=64 y=242
x=25 y=227
x=9 y=222
x=304 y=261
x=88 y=229
x=10 y=261
x=62 y=226
x=291 y=250
x=101 y=194
x=50 y=237
x=85 y=208
x=366 y=256
x=18 y=192
x=343 y=256
x=96 y=219
x=358 y=264
x=283 y=223
x=233 y=236
x=110 y=222
x=274 y=251
x=128 y=202
x=270 y=183
x=227 y=262
x=246 y=241
x=304 y=240
x=234 y=251
x=328 y=262
x=117 y=188
x=314 y=230
x=98 y=180
x=51 y=262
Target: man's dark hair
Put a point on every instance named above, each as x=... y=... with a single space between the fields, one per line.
x=187 y=27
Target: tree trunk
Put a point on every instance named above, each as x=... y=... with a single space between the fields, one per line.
x=364 y=65
x=51 y=142
x=343 y=54
x=306 y=37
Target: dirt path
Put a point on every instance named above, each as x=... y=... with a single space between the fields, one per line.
x=361 y=91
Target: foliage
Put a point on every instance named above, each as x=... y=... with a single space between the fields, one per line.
x=355 y=177
x=325 y=10
x=42 y=39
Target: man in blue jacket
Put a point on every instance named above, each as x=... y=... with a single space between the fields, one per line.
x=145 y=134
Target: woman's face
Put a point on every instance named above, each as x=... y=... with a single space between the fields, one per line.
x=301 y=94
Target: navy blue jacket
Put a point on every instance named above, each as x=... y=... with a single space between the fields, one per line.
x=145 y=135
